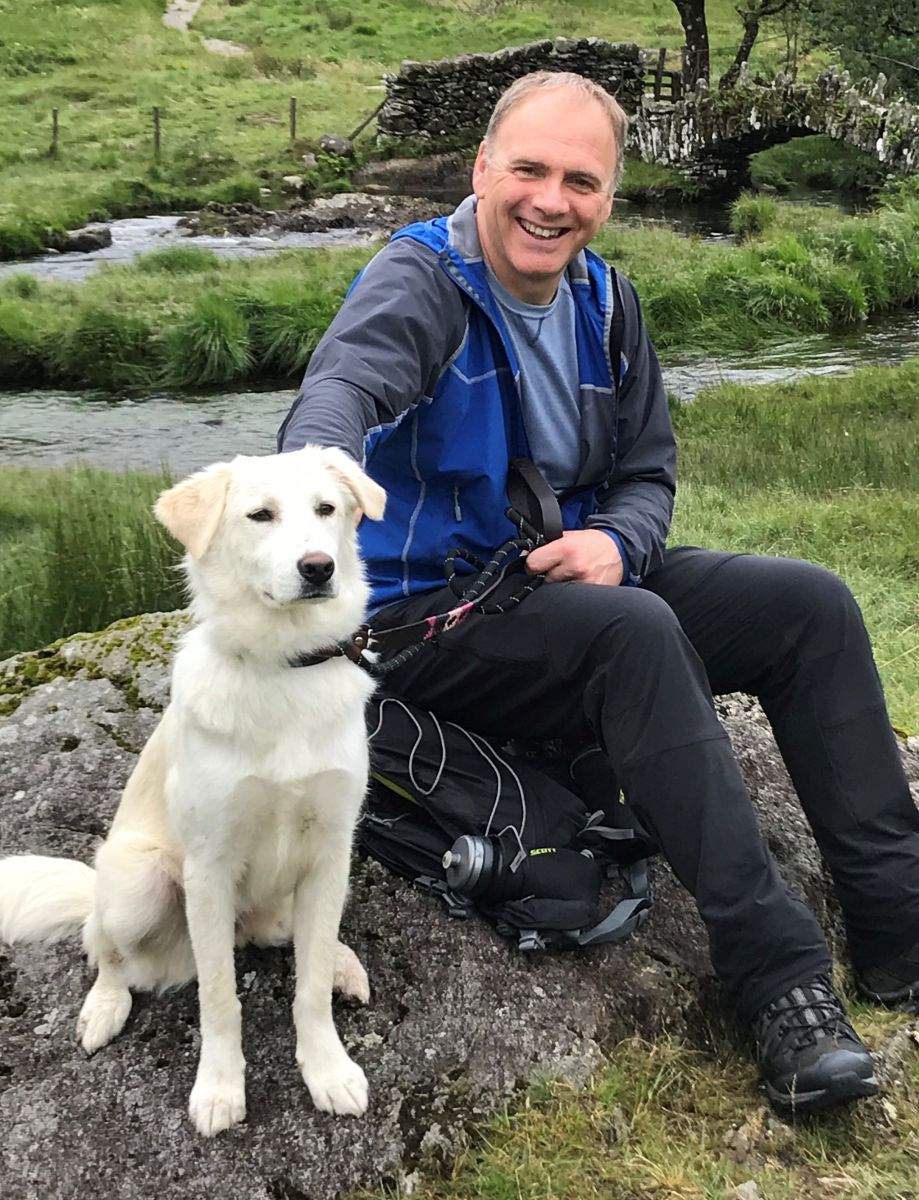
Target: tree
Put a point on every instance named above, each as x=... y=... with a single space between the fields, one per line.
x=696 y=59
x=751 y=12
x=882 y=36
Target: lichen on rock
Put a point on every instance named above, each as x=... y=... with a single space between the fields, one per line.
x=458 y=1020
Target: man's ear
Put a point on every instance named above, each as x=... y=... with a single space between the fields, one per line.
x=478 y=170
x=369 y=495
x=192 y=510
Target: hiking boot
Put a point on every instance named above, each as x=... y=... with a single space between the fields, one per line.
x=895 y=982
x=809 y=1055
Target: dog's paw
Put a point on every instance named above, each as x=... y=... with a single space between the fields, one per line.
x=215 y=1106
x=102 y=1017
x=350 y=978
x=341 y=1089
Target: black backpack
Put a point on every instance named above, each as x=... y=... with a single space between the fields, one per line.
x=497 y=832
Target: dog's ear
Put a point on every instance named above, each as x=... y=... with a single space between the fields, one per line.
x=191 y=510
x=370 y=496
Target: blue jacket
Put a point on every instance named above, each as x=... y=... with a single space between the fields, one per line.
x=416 y=377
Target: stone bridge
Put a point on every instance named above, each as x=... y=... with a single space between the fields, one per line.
x=708 y=135
x=712 y=134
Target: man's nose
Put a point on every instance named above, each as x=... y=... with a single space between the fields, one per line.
x=316 y=568
x=550 y=196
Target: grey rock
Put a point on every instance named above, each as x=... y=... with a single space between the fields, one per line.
x=745 y=1191
x=457 y=1021
x=90 y=237
x=341 y=147
x=446 y=177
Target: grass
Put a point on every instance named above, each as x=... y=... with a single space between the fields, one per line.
x=816 y=162
x=185 y=318
x=104 y=64
x=79 y=549
x=656 y=1124
x=822 y=469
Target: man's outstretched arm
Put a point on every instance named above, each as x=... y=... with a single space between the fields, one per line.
x=382 y=353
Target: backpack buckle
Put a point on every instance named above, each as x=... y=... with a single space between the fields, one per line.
x=530 y=941
x=457 y=906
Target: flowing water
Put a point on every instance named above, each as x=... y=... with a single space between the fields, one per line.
x=139 y=235
x=181 y=432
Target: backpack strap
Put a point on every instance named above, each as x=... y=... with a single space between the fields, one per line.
x=622 y=297
x=530 y=496
x=629 y=914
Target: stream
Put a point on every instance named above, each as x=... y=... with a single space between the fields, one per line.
x=182 y=432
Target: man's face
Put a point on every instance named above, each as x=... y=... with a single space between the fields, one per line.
x=543 y=189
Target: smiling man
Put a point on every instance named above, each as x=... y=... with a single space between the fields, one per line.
x=495 y=334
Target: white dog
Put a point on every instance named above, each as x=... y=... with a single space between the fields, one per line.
x=237 y=821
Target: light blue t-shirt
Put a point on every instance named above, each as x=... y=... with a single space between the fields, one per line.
x=544 y=341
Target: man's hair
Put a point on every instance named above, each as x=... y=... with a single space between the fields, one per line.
x=545 y=81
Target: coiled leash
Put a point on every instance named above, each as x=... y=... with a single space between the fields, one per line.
x=534 y=511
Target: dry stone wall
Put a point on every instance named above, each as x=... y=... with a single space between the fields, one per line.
x=449 y=101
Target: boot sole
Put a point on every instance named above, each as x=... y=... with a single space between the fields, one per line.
x=905 y=995
x=841 y=1089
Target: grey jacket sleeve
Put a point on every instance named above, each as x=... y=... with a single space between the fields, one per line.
x=384 y=350
x=637 y=501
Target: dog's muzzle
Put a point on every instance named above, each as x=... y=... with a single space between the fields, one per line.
x=316 y=574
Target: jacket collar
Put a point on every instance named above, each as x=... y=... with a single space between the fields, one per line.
x=463 y=239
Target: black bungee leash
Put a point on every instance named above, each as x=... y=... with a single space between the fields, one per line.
x=534 y=511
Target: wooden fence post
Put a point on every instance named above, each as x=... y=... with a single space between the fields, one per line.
x=659 y=72
x=293 y=119
x=55 y=150
x=156 y=131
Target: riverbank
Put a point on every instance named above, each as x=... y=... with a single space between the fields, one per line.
x=183 y=318
x=821 y=469
x=224 y=122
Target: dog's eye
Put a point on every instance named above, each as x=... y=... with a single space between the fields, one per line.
x=325 y=509
x=261 y=514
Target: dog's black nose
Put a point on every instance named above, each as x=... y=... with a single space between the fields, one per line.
x=316 y=568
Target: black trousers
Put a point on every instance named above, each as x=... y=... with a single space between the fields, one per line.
x=634 y=670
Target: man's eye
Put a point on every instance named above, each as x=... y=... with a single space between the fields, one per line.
x=261 y=514
x=325 y=509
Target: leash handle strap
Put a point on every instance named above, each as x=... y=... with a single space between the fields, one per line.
x=530 y=494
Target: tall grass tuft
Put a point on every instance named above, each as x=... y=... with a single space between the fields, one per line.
x=210 y=345
x=20 y=344
x=106 y=348
x=80 y=548
x=752 y=215
x=177 y=260
x=286 y=320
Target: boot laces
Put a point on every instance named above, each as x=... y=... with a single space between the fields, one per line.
x=801 y=1017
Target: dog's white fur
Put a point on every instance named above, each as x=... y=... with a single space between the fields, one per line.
x=237 y=821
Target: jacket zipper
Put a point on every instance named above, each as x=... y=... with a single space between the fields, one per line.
x=457 y=511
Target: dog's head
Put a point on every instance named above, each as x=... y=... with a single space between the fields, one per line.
x=279 y=529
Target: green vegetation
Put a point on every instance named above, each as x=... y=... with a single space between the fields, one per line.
x=816 y=162
x=801 y=269
x=104 y=64
x=655 y=1126
x=78 y=549
x=186 y=318
x=821 y=468
x=181 y=317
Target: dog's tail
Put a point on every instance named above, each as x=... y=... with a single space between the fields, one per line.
x=43 y=899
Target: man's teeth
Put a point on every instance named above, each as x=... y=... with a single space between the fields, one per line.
x=538 y=231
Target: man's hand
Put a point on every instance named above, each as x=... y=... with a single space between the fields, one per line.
x=585 y=555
